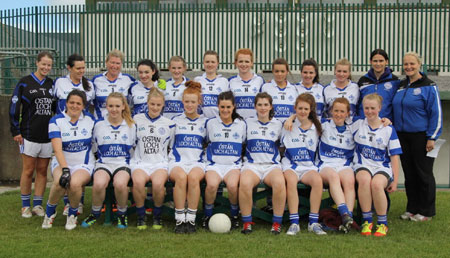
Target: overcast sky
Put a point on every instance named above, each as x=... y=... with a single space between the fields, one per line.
x=13 y=4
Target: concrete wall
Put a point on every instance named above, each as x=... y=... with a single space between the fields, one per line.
x=12 y=164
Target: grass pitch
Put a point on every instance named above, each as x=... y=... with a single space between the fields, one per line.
x=21 y=237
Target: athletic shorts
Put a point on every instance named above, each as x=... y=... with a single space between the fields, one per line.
x=187 y=167
x=111 y=169
x=88 y=167
x=148 y=168
x=261 y=170
x=221 y=169
x=300 y=170
x=337 y=167
x=387 y=172
x=36 y=150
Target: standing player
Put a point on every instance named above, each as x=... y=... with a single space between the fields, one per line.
x=212 y=84
x=175 y=87
x=310 y=84
x=262 y=163
x=113 y=80
x=299 y=162
x=282 y=91
x=246 y=84
x=114 y=137
x=62 y=87
x=336 y=149
x=186 y=164
x=379 y=80
x=30 y=111
x=343 y=87
x=376 y=164
x=74 y=80
x=150 y=161
x=148 y=78
x=73 y=163
x=226 y=134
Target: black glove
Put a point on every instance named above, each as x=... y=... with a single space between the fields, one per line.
x=64 y=180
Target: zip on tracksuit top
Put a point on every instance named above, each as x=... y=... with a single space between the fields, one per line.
x=417 y=108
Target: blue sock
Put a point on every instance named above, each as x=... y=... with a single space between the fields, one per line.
x=25 y=200
x=367 y=216
x=234 y=210
x=382 y=219
x=140 y=211
x=37 y=200
x=96 y=211
x=277 y=219
x=209 y=209
x=246 y=219
x=342 y=208
x=82 y=198
x=50 y=210
x=157 y=211
x=313 y=218
x=294 y=218
x=121 y=211
x=73 y=211
x=351 y=213
x=66 y=199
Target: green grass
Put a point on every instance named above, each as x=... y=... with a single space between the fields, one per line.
x=24 y=238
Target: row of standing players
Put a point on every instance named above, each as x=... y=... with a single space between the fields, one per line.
x=378 y=79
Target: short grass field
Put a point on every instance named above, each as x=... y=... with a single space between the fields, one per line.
x=21 y=237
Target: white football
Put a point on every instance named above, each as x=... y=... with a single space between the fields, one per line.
x=219 y=223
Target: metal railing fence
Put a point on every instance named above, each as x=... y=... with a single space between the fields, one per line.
x=295 y=32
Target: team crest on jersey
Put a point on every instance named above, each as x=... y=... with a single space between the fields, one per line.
x=84 y=132
x=348 y=142
x=236 y=136
x=65 y=134
x=255 y=90
x=201 y=129
x=162 y=131
x=273 y=134
x=106 y=137
x=310 y=142
x=141 y=97
x=379 y=141
x=332 y=138
x=318 y=96
x=182 y=128
x=50 y=91
x=291 y=98
x=219 y=90
x=351 y=97
x=388 y=85
x=363 y=137
x=14 y=99
x=124 y=137
x=417 y=91
x=141 y=128
x=121 y=89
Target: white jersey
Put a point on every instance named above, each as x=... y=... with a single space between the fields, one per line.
x=190 y=135
x=283 y=100
x=301 y=146
x=114 y=144
x=263 y=141
x=350 y=92
x=317 y=91
x=173 y=96
x=244 y=94
x=374 y=146
x=138 y=95
x=76 y=138
x=152 y=138
x=103 y=87
x=225 y=141
x=210 y=91
x=63 y=86
x=336 y=146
